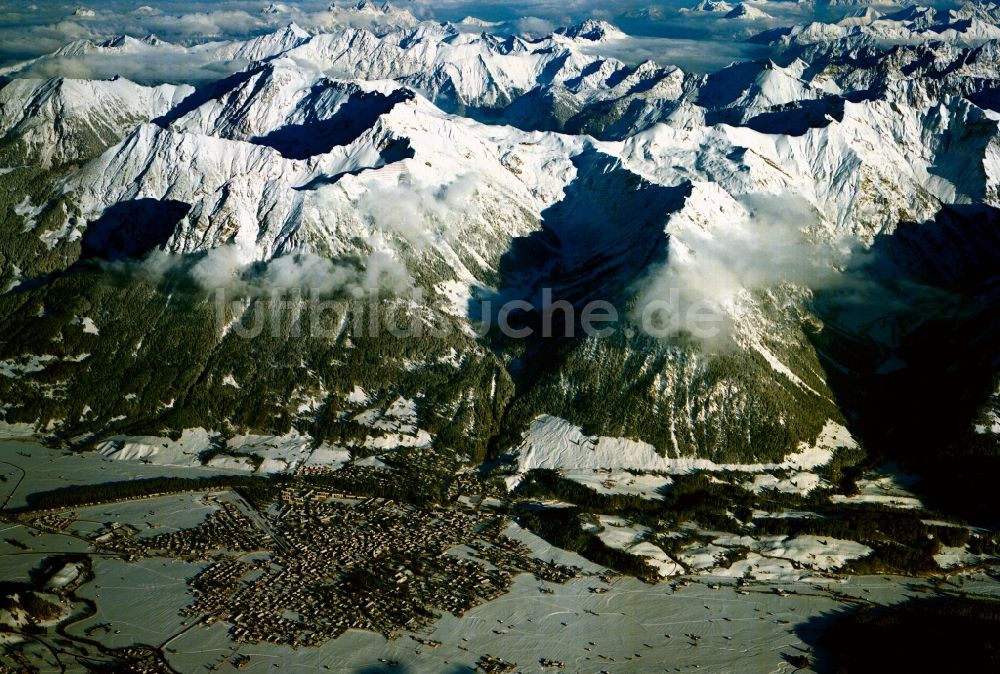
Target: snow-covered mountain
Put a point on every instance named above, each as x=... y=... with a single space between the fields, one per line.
x=747 y=12
x=970 y=24
x=61 y=120
x=451 y=170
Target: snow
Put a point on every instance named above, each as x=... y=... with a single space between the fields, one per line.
x=819 y=553
x=778 y=366
x=786 y=559
x=504 y=178
x=889 y=487
x=992 y=426
x=328 y=456
x=593 y=30
x=9 y=431
x=26 y=364
x=470 y=189
x=87 y=324
x=709 y=7
x=554 y=443
x=618 y=533
x=451 y=358
x=758 y=628
x=358 y=396
x=656 y=558
x=28 y=212
x=239 y=464
x=68 y=573
x=280 y=453
x=874 y=496
x=397 y=424
x=620 y=482
x=402 y=409
x=797 y=483
x=58 y=119
x=457 y=297
x=371 y=462
x=747 y=12
x=420 y=438
x=955 y=558
x=158 y=450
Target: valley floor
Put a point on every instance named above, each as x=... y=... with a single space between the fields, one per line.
x=715 y=621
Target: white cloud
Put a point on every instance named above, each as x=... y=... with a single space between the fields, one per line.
x=27 y=33
x=533 y=26
x=418 y=211
x=227 y=267
x=699 y=56
x=701 y=286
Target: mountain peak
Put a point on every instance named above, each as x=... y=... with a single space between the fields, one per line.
x=592 y=30
x=709 y=7
x=276 y=8
x=366 y=6
x=745 y=11
x=124 y=41
x=294 y=29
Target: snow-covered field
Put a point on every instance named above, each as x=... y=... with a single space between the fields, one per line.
x=630 y=627
x=16 y=431
x=801 y=482
x=556 y=444
x=889 y=486
x=16 y=563
x=601 y=463
x=633 y=627
x=149 y=516
x=788 y=558
x=393 y=427
x=620 y=482
x=277 y=453
x=141 y=599
x=158 y=450
x=616 y=532
x=50 y=469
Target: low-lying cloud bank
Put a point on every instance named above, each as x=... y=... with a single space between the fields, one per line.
x=691 y=55
x=227 y=268
x=694 y=41
x=34 y=30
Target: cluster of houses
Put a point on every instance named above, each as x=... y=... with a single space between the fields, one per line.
x=227 y=528
x=319 y=562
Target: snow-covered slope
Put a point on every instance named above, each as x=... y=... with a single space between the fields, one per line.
x=60 y=120
x=747 y=12
x=321 y=160
x=477 y=169
x=971 y=24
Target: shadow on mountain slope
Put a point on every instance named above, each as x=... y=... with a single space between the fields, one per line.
x=206 y=93
x=911 y=349
x=797 y=118
x=130 y=229
x=354 y=111
x=317 y=136
x=591 y=246
x=397 y=150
